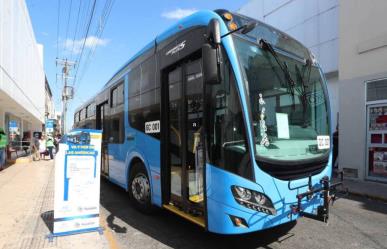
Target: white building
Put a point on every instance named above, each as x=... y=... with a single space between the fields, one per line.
x=349 y=39
x=312 y=22
x=22 y=78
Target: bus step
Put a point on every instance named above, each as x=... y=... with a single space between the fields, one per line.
x=198 y=220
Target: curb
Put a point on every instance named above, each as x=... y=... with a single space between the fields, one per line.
x=372 y=197
x=22 y=160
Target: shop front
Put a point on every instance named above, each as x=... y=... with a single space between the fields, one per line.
x=376 y=143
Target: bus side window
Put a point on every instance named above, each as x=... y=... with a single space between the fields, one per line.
x=228 y=143
x=115 y=133
x=144 y=96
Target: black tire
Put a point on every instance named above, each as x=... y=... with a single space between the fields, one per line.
x=139 y=188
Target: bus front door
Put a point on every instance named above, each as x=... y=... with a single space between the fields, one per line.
x=102 y=110
x=185 y=153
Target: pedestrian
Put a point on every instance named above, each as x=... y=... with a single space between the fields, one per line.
x=25 y=143
x=42 y=147
x=35 y=147
x=3 y=148
x=50 y=146
x=57 y=141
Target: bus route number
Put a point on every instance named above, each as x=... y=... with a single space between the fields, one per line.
x=152 y=126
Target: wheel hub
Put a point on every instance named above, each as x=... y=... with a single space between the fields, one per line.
x=140 y=188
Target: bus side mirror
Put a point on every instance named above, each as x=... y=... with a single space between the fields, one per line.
x=211 y=67
x=213 y=32
x=210 y=54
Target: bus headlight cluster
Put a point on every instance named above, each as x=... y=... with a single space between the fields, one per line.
x=253 y=200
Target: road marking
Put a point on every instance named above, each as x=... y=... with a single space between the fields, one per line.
x=108 y=233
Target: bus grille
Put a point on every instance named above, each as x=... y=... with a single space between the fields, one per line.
x=294 y=171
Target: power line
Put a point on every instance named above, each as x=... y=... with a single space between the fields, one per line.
x=98 y=34
x=57 y=30
x=84 y=40
x=68 y=22
x=76 y=28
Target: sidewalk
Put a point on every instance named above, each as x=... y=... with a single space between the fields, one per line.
x=26 y=210
x=372 y=190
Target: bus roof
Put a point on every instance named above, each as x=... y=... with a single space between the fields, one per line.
x=199 y=18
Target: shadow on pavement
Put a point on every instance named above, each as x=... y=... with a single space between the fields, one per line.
x=368 y=204
x=48 y=218
x=174 y=231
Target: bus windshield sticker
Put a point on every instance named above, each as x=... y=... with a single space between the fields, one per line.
x=152 y=126
x=262 y=123
x=282 y=125
x=323 y=142
x=176 y=48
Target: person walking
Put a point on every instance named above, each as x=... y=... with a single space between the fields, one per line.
x=3 y=148
x=58 y=137
x=42 y=147
x=50 y=146
x=35 y=147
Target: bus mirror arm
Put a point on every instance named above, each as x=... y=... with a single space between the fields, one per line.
x=211 y=54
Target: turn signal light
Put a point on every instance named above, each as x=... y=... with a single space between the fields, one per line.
x=238 y=222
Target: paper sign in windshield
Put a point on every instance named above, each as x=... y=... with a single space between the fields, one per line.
x=282 y=125
x=323 y=142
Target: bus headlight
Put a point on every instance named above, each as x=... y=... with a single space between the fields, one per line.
x=253 y=200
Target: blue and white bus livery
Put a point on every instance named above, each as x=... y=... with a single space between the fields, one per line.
x=222 y=120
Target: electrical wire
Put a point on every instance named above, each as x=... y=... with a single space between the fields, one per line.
x=84 y=40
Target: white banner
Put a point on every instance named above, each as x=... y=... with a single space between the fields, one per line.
x=77 y=182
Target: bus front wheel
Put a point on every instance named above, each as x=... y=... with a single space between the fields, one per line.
x=139 y=188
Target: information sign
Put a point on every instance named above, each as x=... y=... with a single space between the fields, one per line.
x=77 y=183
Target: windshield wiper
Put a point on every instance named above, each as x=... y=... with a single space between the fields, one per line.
x=284 y=66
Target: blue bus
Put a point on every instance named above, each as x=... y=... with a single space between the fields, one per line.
x=221 y=119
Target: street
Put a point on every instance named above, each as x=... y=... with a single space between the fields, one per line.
x=354 y=223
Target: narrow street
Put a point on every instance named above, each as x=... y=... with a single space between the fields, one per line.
x=354 y=223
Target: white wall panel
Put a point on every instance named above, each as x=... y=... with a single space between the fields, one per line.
x=21 y=74
x=313 y=22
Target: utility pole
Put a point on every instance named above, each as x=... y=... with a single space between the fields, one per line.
x=68 y=91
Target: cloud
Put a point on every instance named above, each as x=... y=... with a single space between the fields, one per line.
x=77 y=44
x=178 y=13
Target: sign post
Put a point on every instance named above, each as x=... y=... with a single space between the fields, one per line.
x=77 y=183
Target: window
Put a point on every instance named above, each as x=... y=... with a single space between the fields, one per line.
x=377 y=90
x=90 y=110
x=82 y=114
x=114 y=126
x=227 y=134
x=144 y=95
x=117 y=95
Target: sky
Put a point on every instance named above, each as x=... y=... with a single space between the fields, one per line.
x=114 y=36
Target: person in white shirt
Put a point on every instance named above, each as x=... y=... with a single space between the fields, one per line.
x=42 y=147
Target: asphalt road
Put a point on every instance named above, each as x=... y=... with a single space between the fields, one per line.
x=354 y=223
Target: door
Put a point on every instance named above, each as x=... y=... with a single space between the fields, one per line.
x=101 y=124
x=376 y=142
x=185 y=119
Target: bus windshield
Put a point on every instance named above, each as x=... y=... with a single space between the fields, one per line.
x=289 y=110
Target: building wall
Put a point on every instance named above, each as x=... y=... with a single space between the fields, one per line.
x=312 y=22
x=363 y=38
x=363 y=57
x=22 y=76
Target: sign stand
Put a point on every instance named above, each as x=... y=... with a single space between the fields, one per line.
x=77 y=184
x=51 y=236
